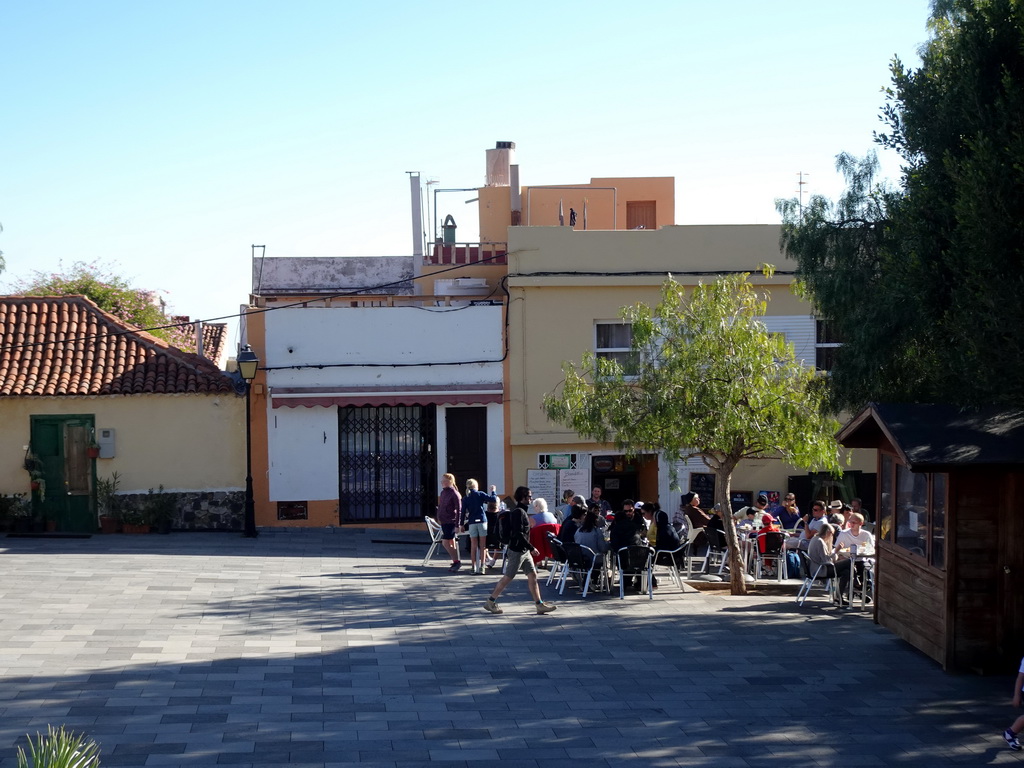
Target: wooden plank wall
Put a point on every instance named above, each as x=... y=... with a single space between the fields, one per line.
x=1010 y=569
x=911 y=601
x=976 y=508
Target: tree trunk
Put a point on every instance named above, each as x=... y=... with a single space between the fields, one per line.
x=723 y=492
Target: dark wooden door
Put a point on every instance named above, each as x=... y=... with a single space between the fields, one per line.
x=61 y=444
x=466 y=429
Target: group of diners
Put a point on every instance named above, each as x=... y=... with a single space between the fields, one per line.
x=832 y=535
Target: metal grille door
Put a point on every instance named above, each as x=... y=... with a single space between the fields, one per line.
x=387 y=463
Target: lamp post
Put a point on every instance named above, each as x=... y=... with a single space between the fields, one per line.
x=248 y=364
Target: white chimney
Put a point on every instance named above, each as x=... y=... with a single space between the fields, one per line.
x=498 y=161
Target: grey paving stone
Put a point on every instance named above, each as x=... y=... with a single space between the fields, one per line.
x=320 y=648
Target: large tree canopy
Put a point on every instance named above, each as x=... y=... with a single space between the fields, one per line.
x=707 y=380
x=111 y=293
x=924 y=284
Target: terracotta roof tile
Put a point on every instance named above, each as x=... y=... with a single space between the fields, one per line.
x=66 y=345
x=215 y=336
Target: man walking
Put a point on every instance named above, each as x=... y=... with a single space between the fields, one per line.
x=519 y=556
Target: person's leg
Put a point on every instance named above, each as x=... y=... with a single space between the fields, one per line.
x=843 y=570
x=534 y=587
x=453 y=552
x=473 y=547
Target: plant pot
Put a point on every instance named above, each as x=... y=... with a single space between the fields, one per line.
x=134 y=528
x=35 y=485
x=94 y=453
x=108 y=524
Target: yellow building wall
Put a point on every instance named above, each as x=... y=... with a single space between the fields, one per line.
x=183 y=442
x=552 y=316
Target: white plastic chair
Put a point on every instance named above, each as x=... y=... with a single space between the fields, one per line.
x=434 y=529
x=670 y=566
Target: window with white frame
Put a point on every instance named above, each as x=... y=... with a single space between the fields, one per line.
x=613 y=342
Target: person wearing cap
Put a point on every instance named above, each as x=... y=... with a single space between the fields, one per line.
x=759 y=506
x=835 y=513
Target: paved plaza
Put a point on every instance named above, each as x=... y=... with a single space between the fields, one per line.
x=337 y=648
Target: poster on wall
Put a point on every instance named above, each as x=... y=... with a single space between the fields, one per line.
x=543 y=483
x=741 y=499
x=774 y=501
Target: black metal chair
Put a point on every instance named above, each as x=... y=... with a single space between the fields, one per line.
x=558 y=559
x=774 y=554
x=583 y=563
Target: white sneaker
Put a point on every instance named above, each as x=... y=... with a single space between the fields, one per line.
x=491 y=561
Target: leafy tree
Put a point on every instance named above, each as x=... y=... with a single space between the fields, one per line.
x=711 y=382
x=112 y=294
x=924 y=284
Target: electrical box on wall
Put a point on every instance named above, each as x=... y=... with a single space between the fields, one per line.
x=105 y=440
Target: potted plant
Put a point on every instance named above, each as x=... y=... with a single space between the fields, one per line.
x=160 y=508
x=135 y=520
x=93 y=450
x=9 y=508
x=21 y=515
x=107 y=501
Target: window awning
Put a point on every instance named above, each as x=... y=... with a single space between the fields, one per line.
x=441 y=394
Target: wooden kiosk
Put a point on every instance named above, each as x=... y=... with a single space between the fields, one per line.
x=949 y=526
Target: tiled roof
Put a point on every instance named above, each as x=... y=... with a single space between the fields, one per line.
x=215 y=336
x=66 y=345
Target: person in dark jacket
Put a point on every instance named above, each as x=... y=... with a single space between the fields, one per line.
x=567 y=533
x=519 y=556
x=627 y=530
x=474 y=520
x=668 y=540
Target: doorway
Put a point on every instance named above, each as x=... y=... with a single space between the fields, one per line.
x=466 y=430
x=65 y=497
x=386 y=462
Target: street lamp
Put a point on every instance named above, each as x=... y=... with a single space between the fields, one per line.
x=248 y=364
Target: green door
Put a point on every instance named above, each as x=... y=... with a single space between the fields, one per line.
x=61 y=443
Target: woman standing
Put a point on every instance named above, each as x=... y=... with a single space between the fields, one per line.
x=449 y=509
x=474 y=520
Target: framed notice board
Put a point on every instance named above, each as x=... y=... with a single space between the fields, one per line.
x=703 y=484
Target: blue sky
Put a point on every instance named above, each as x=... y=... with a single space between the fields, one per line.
x=166 y=138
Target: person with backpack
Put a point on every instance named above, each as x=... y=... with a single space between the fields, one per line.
x=515 y=526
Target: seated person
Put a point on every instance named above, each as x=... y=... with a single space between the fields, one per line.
x=589 y=535
x=814 y=522
x=668 y=540
x=567 y=533
x=820 y=553
x=856 y=536
x=789 y=512
x=626 y=529
x=541 y=515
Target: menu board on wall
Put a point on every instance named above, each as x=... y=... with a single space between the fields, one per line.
x=544 y=484
x=703 y=484
x=578 y=480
